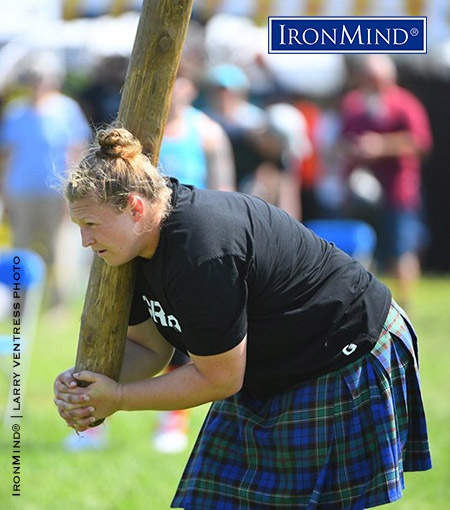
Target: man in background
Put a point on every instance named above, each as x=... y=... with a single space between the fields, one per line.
x=386 y=131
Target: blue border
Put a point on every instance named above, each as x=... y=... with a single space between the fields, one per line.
x=362 y=18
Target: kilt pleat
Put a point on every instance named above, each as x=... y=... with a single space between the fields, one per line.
x=341 y=441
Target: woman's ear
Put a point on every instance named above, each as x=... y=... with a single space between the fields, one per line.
x=136 y=206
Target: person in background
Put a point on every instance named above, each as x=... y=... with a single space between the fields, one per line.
x=195 y=149
x=262 y=151
x=100 y=99
x=309 y=169
x=285 y=144
x=41 y=133
x=386 y=131
x=226 y=97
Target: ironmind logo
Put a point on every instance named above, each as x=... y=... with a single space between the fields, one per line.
x=347 y=34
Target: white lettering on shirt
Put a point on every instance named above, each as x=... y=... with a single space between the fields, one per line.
x=349 y=349
x=159 y=316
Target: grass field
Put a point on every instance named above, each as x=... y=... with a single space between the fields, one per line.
x=130 y=475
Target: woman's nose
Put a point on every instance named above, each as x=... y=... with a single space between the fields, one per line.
x=87 y=239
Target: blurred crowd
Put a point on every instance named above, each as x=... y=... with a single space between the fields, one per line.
x=341 y=141
x=353 y=147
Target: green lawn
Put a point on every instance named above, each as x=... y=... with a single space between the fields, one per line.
x=130 y=475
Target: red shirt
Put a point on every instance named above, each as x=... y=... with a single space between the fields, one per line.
x=396 y=110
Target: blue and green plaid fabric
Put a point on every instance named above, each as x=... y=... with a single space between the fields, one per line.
x=341 y=441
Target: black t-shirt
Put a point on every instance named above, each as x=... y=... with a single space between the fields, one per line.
x=229 y=264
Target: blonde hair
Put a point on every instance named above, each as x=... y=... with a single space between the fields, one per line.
x=115 y=167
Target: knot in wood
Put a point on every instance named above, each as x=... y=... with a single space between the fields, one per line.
x=164 y=42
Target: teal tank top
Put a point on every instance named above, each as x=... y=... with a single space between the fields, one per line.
x=184 y=157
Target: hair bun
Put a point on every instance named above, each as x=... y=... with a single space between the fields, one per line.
x=118 y=143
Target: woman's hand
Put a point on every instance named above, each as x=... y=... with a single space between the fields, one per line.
x=79 y=406
x=103 y=393
x=68 y=394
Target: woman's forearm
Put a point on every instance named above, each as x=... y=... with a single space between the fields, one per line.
x=141 y=362
x=181 y=388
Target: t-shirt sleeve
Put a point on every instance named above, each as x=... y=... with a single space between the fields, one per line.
x=211 y=305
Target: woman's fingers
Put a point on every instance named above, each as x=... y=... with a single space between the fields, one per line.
x=71 y=403
x=80 y=418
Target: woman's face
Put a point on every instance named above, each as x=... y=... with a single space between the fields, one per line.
x=111 y=234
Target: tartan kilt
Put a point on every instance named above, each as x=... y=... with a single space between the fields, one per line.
x=341 y=441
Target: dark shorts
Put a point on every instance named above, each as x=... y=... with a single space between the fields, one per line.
x=399 y=232
x=341 y=441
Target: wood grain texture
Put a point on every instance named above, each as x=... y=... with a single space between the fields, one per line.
x=143 y=110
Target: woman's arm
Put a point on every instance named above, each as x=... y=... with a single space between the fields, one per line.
x=206 y=379
x=146 y=352
x=219 y=155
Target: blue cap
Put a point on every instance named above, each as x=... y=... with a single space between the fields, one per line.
x=228 y=76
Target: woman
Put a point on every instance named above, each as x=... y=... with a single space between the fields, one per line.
x=310 y=366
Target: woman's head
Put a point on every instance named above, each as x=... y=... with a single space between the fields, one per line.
x=118 y=198
x=114 y=169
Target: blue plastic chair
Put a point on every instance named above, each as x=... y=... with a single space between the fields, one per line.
x=22 y=275
x=357 y=238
